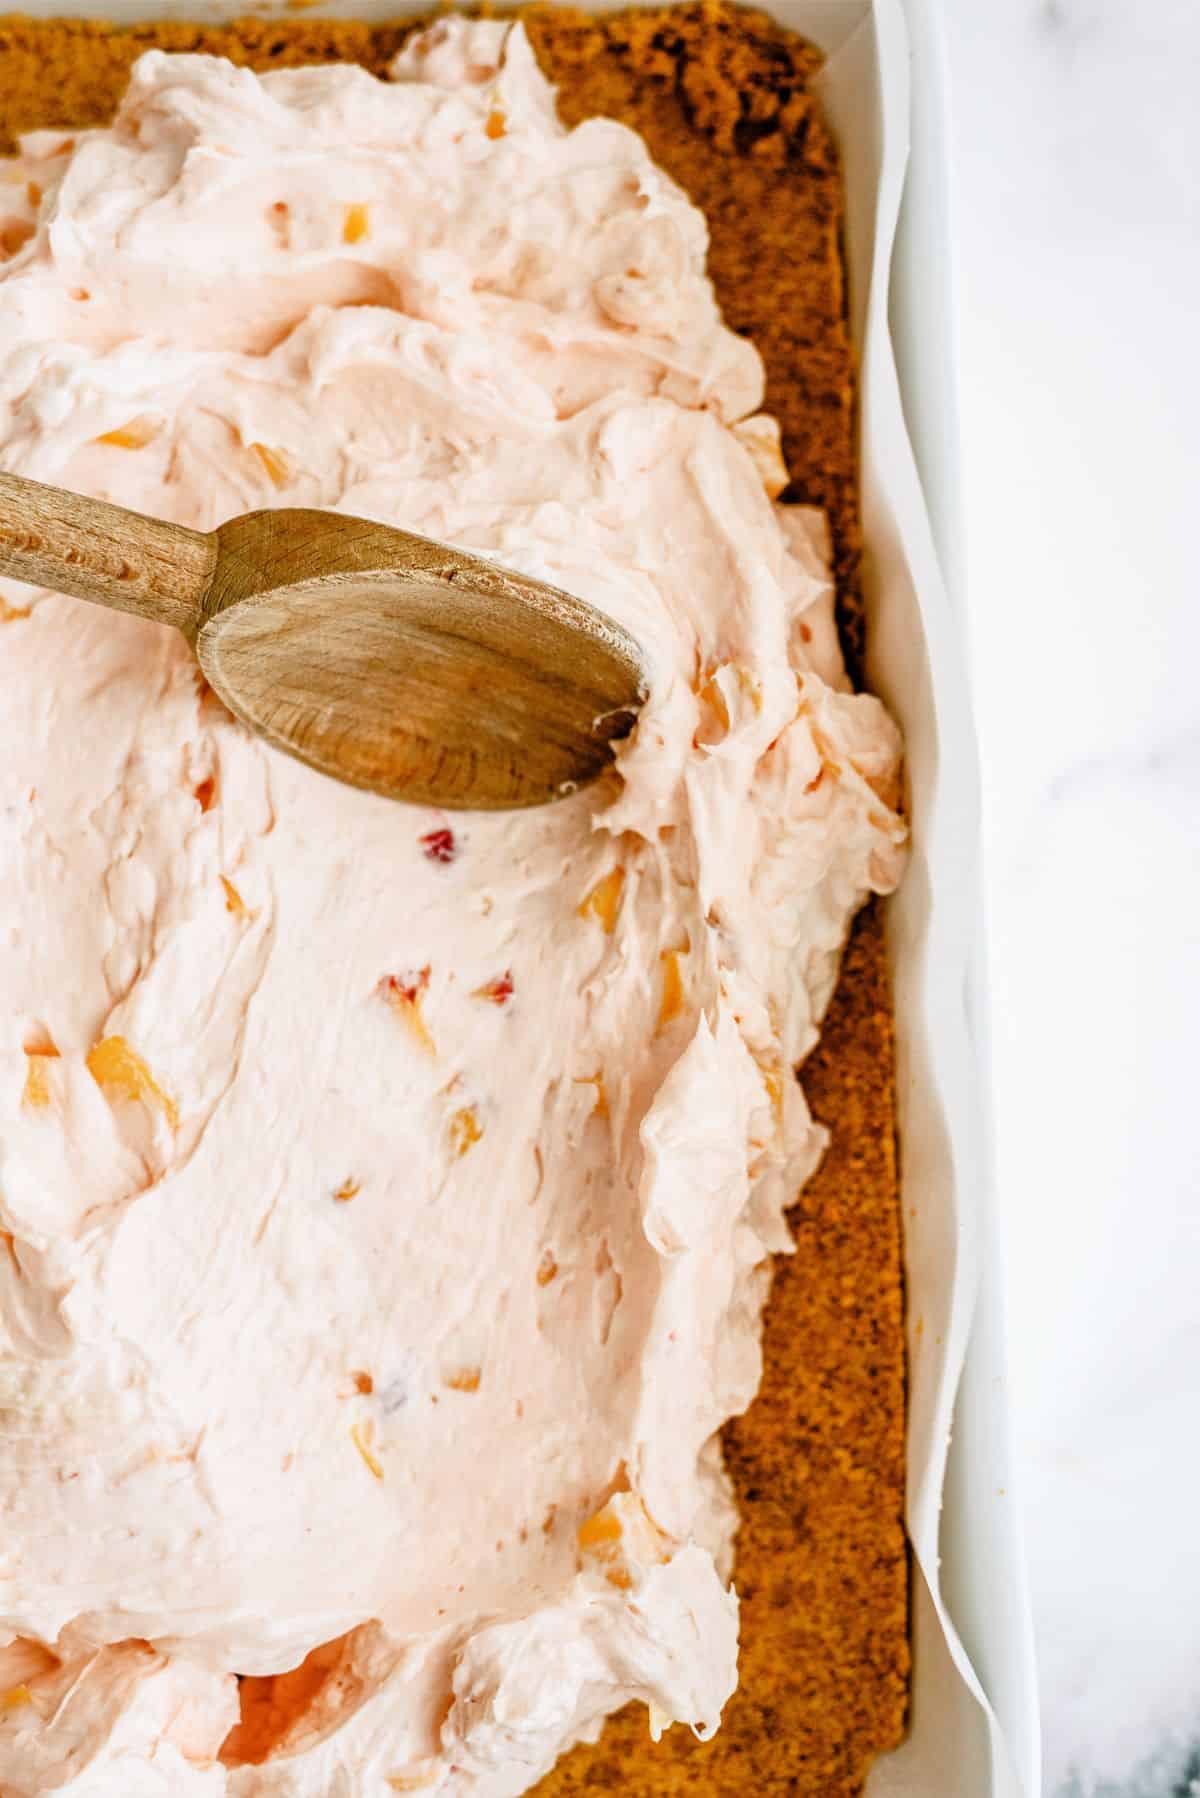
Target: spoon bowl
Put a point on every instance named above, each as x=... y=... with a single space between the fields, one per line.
x=387 y=660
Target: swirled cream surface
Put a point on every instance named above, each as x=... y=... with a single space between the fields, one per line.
x=387 y=1197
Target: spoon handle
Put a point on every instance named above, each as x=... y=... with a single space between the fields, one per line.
x=95 y=551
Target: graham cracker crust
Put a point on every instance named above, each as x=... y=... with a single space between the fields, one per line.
x=723 y=99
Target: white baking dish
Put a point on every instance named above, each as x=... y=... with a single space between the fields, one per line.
x=974 y=1724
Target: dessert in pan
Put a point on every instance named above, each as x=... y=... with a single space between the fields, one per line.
x=391 y=1198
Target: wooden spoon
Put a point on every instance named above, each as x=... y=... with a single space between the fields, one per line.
x=387 y=660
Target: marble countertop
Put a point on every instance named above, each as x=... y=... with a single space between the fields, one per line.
x=1076 y=134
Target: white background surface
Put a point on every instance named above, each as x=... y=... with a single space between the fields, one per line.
x=1076 y=126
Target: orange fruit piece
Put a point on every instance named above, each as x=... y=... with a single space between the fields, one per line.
x=356 y=224
x=604 y=900
x=122 y=1074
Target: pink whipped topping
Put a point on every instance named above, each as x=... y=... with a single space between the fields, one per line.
x=388 y=1198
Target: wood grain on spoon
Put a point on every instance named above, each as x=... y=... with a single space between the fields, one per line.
x=383 y=659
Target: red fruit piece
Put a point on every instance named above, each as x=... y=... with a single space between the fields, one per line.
x=404 y=995
x=404 y=989
x=439 y=845
x=499 y=990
